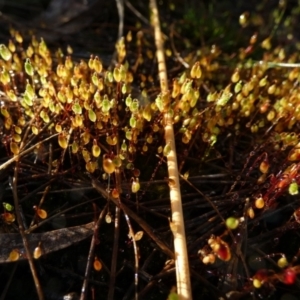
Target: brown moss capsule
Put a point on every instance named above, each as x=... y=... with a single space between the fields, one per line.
x=115 y=193
x=97 y=264
x=8 y=217
x=40 y=212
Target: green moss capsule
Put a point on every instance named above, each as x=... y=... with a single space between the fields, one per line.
x=28 y=67
x=5 y=53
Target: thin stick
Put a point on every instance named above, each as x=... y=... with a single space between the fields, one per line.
x=12 y=273
x=22 y=153
x=113 y=267
x=120 y=7
x=177 y=222
x=136 y=257
x=91 y=255
x=24 y=238
x=148 y=230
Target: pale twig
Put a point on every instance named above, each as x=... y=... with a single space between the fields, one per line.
x=114 y=259
x=177 y=222
x=120 y=7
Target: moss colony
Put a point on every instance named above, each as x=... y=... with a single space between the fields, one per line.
x=237 y=138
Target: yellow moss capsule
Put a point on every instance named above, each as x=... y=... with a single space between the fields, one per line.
x=108 y=218
x=63 y=141
x=11 y=46
x=147 y=113
x=85 y=138
x=37 y=253
x=196 y=71
x=271 y=115
x=257 y=283
x=5 y=112
x=11 y=95
x=86 y=155
x=271 y=89
x=250 y=213
x=135 y=186
x=235 y=76
x=138 y=236
x=17 y=138
x=14 y=148
x=108 y=165
x=266 y=43
x=243 y=19
x=167 y=150
x=92 y=116
x=91 y=166
x=282 y=262
x=111 y=140
x=14 y=255
x=58 y=128
x=259 y=203
x=75 y=147
x=117 y=75
x=4 y=77
x=18 y=37
x=96 y=150
x=97 y=65
x=78 y=120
